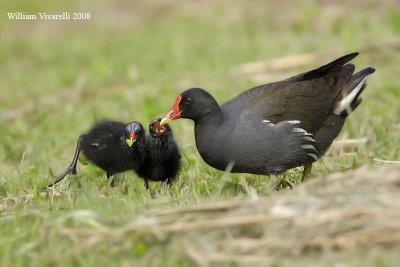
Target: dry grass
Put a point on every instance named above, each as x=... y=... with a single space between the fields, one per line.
x=341 y=213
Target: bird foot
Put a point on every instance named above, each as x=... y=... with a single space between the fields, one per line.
x=284 y=184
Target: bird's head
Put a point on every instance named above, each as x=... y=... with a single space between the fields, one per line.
x=133 y=130
x=191 y=104
x=157 y=130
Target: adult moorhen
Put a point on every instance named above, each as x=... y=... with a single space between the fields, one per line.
x=274 y=127
x=164 y=159
x=112 y=146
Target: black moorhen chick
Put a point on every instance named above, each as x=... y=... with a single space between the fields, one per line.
x=112 y=146
x=164 y=160
x=274 y=127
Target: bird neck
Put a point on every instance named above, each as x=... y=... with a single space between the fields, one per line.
x=139 y=144
x=206 y=107
x=215 y=117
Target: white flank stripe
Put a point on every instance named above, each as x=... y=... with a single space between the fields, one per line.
x=268 y=122
x=294 y=122
x=299 y=130
x=311 y=147
x=309 y=139
x=313 y=156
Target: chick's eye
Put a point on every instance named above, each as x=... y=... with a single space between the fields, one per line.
x=188 y=101
x=137 y=128
x=128 y=129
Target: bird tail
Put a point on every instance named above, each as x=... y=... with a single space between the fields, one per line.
x=349 y=99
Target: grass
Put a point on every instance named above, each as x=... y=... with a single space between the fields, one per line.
x=129 y=62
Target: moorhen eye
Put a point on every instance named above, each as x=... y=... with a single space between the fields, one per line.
x=137 y=128
x=278 y=126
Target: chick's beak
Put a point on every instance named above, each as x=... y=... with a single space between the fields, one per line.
x=158 y=128
x=132 y=135
x=173 y=114
x=132 y=138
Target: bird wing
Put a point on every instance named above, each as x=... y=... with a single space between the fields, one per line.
x=259 y=147
x=308 y=97
x=96 y=145
x=103 y=140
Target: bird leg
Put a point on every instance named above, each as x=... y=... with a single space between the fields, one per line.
x=146 y=184
x=306 y=171
x=112 y=179
x=170 y=181
x=71 y=168
x=283 y=183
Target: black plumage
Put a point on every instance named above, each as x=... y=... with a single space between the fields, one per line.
x=274 y=127
x=112 y=146
x=164 y=159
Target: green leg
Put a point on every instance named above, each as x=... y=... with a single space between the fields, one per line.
x=306 y=172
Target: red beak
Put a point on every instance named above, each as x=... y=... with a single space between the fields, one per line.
x=174 y=113
x=132 y=135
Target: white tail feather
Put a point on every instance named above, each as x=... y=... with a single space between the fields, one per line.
x=344 y=104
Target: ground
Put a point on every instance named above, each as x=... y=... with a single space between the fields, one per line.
x=129 y=61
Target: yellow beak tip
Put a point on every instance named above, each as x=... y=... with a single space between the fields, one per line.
x=164 y=121
x=130 y=142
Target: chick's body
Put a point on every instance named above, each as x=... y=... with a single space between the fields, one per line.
x=105 y=146
x=163 y=156
x=112 y=146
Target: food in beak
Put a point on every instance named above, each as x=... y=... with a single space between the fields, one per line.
x=159 y=129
